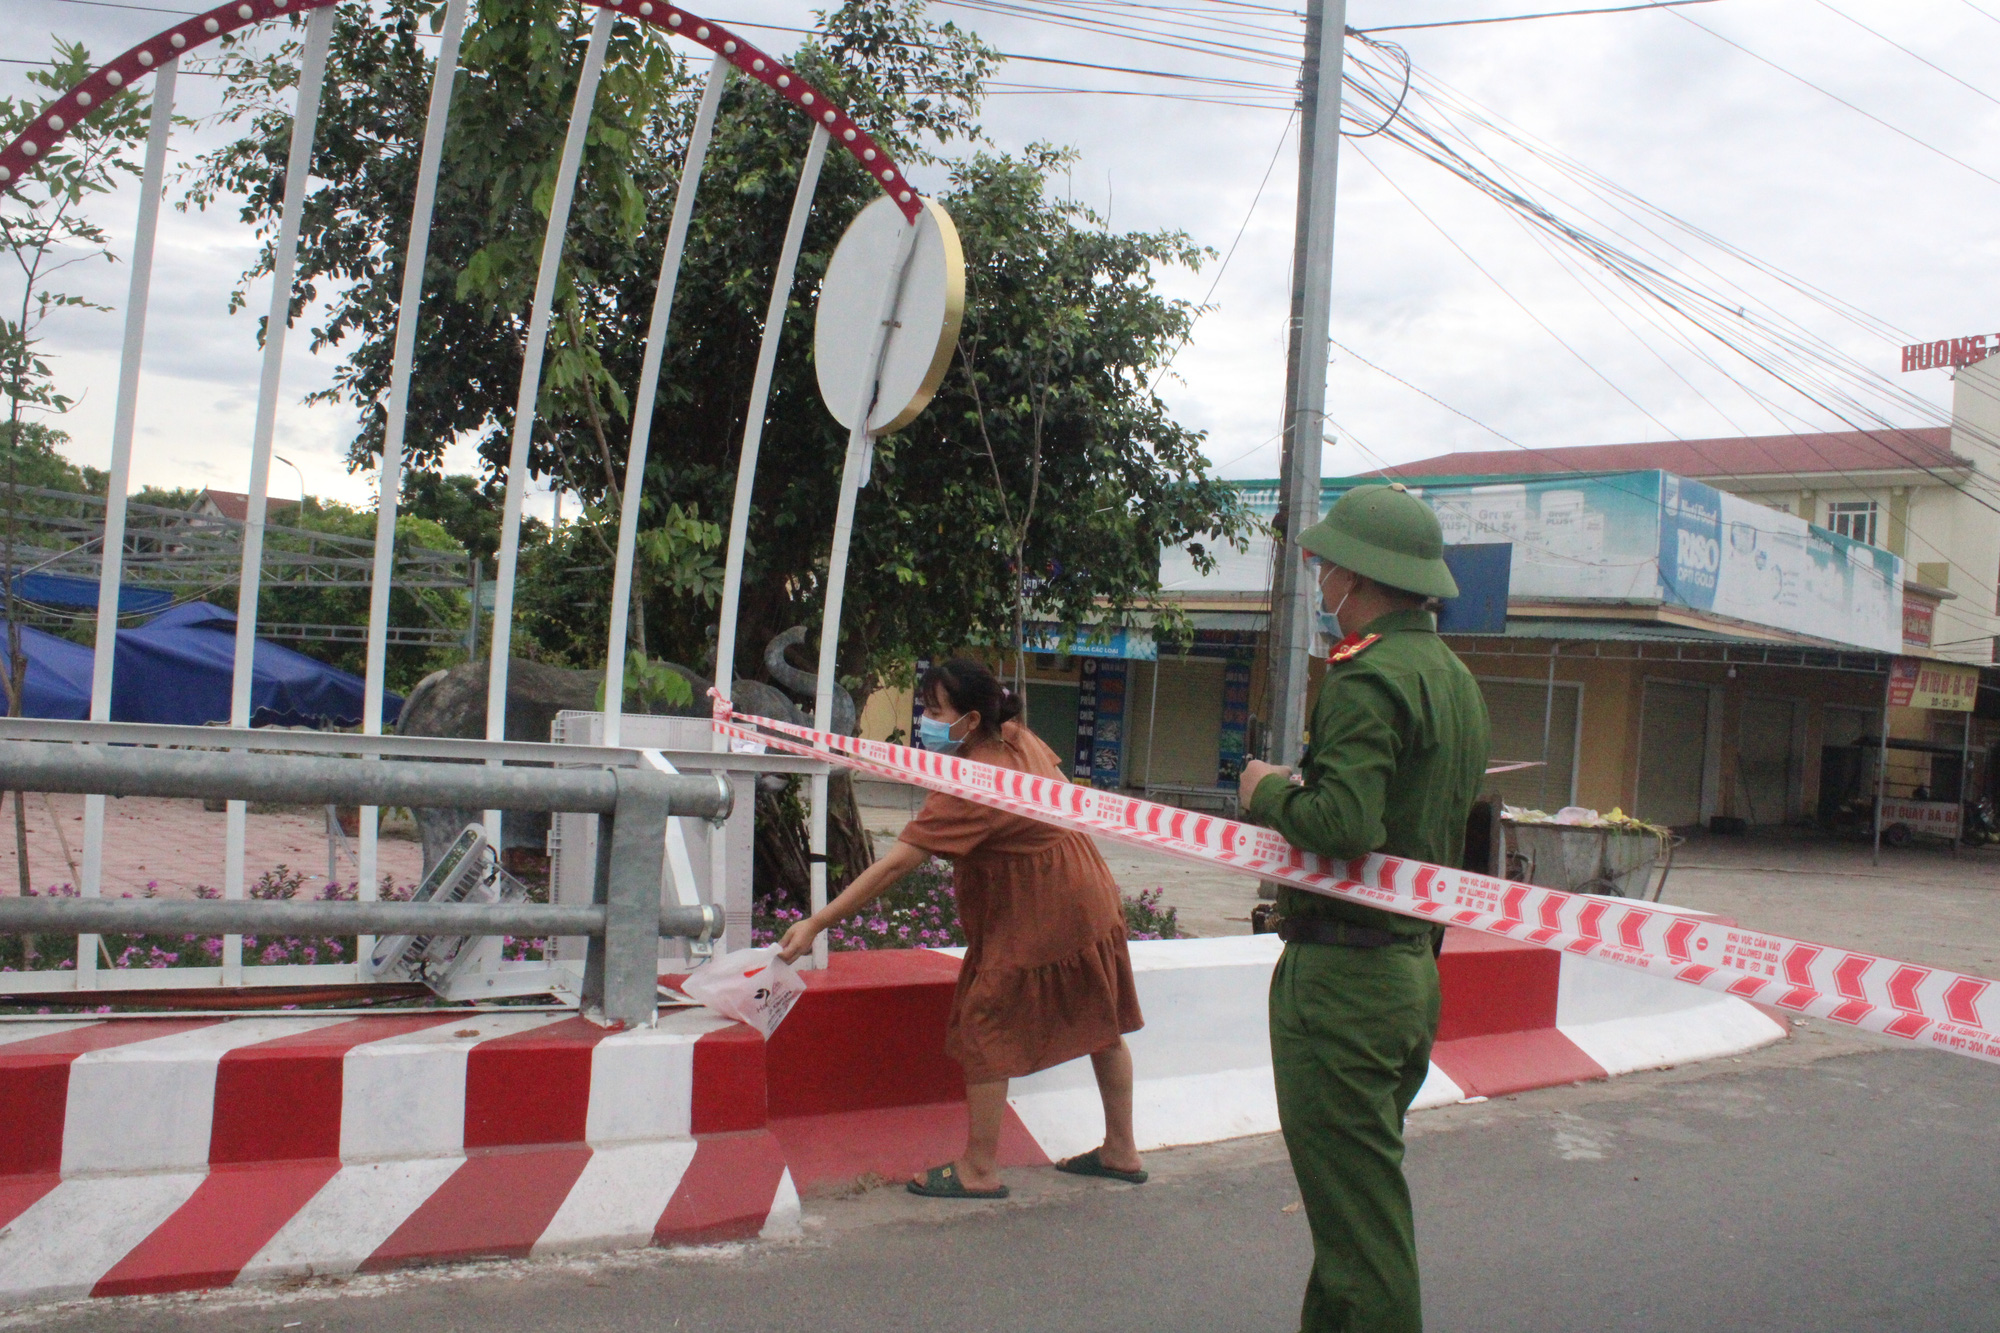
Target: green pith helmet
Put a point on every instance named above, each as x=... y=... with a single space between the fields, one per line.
x=1386 y=534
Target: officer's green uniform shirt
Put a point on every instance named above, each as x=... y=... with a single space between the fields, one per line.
x=1396 y=757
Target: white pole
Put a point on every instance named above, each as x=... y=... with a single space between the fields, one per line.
x=531 y=385
x=753 y=421
x=649 y=388
x=298 y=161
x=860 y=448
x=415 y=255
x=111 y=569
x=1882 y=762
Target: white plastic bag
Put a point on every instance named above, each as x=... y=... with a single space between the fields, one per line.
x=750 y=985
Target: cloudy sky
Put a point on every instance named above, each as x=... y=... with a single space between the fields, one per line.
x=1702 y=111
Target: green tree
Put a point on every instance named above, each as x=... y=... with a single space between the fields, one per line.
x=347 y=605
x=45 y=229
x=35 y=459
x=1040 y=483
x=1078 y=476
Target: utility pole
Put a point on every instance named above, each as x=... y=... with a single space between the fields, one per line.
x=1305 y=376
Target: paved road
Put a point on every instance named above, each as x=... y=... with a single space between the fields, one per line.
x=1823 y=1185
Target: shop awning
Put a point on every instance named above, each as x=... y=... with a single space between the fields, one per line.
x=1616 y=638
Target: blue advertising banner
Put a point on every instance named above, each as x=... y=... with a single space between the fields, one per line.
x=1086 y=720
x=1130 y=644
x=1482 y=571
x=1655 y=537
x=1235 y=721
x=1736 y=558
x=1107 y=759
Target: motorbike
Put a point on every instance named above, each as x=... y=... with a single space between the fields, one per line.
x=1979 y=826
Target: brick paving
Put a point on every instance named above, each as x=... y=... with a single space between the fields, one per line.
x=175 y=845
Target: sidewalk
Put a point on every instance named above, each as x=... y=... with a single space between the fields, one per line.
x=172 y=846
x=1920 y=905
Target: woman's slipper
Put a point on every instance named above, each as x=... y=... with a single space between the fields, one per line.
x=942 y=1182
x=1090 y=1164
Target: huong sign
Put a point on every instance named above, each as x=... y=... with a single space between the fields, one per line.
x=1950 y=352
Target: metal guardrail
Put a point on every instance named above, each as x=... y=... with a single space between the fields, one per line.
x=211 y=916
x=388 y=747
x=624 y=920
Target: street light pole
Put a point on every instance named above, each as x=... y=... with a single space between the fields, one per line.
x=1305 y=376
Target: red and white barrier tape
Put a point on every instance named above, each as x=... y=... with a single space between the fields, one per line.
x=1929 y=1006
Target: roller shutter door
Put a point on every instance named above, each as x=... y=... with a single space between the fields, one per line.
x=1186 y=732
x=1673 y=751
x=1766 y=760
x=1052 y=716
x=1515 y=710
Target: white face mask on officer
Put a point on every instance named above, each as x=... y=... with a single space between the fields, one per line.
x=1326 y=624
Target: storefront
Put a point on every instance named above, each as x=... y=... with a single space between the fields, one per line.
x=1126 y=714
x=1675 y=725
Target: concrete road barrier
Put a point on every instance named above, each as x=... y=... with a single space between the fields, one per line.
x=151 y=1155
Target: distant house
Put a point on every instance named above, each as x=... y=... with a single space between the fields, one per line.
x=235 y=506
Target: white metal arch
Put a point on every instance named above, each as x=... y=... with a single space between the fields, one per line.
x=159 y=55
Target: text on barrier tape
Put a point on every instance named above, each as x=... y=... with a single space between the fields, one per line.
x=1926 y=1005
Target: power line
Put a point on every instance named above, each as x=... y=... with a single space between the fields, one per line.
x=1216 y=80
x=1928 y=147
x=1487 y=274
x=1049 y=90
x=1982 y=13
x=1647 y=281
x=1908 y=52
x=1523 y=18
x=110 y=4
x=1223 y=268
x=1714 y=463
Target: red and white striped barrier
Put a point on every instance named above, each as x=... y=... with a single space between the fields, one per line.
x=164 y=1155
x=1928 y=1006
x=1515 y=1018
x=149 y=1155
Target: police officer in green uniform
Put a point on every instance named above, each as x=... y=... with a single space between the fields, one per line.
x=1395 y=758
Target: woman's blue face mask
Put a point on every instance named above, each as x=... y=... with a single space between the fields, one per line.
x=935 y=735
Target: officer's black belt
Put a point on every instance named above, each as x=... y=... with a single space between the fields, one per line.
x=1325 y=930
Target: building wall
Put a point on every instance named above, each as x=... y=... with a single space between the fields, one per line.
x=1609 y=757
x=1975 y=528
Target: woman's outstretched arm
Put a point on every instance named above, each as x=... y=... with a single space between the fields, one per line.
x=869 y=885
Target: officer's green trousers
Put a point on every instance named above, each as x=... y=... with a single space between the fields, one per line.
x=1351 y=1033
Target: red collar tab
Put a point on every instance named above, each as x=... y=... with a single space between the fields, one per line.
x=1352 y=646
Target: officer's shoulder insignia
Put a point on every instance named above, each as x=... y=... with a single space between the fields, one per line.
x=1352 y=646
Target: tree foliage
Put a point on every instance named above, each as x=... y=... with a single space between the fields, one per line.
x=1050 y=399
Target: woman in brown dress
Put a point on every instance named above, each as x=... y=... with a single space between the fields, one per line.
x=1047 y=977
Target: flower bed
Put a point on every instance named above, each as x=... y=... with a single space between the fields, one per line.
x=921 y=912
x=19 y=953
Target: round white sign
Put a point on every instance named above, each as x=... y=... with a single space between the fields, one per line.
x=921 y=301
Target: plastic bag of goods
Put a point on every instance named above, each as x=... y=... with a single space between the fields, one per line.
x=752 y=986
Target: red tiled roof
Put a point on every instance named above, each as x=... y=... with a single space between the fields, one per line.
x=1745 y=456
x=236 y=505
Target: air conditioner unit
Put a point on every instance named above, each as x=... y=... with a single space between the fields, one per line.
x=468 y=872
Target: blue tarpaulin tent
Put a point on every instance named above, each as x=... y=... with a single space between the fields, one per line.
x=66 y=590
x=176 y=669
x=58 y=682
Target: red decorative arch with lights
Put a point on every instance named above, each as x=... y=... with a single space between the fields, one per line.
x=19 y=159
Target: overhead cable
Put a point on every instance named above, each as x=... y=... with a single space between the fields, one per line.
x=1523 y=18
